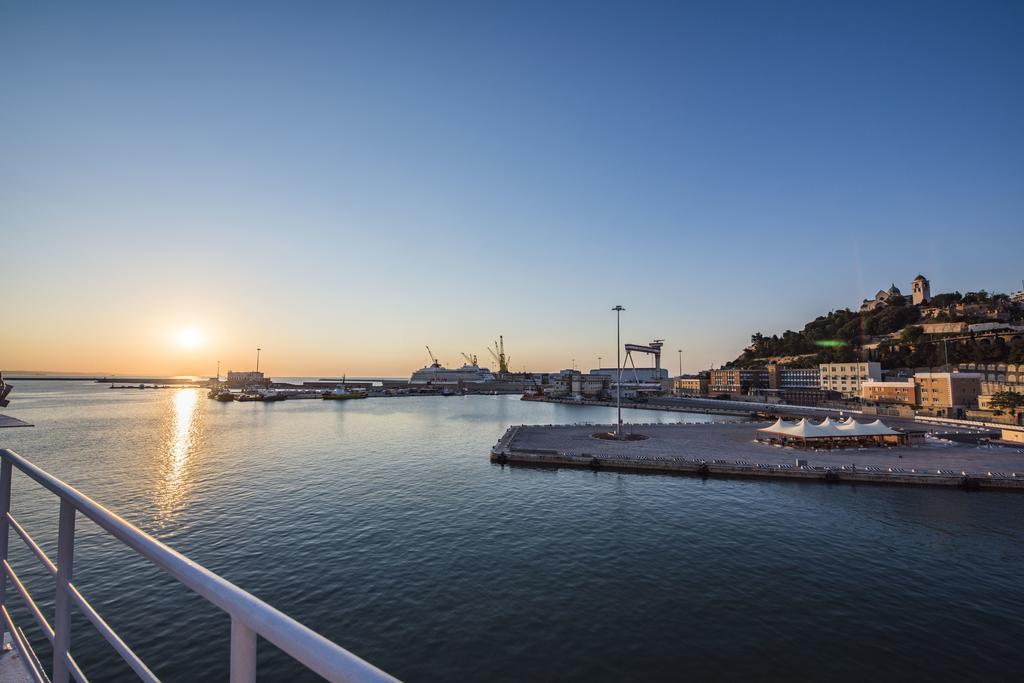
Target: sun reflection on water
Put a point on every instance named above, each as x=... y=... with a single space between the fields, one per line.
x=179 y=451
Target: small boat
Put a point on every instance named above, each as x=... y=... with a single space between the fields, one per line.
x=265 y=395
x=224 y=395
x=270 y=395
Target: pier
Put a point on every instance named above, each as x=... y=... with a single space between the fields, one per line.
x=729 y=450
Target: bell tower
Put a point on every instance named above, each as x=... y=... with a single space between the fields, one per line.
x=921 y=290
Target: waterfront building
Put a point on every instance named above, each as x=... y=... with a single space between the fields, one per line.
x=947 y=394
x=692 y=385
x=560 y=383
x=795 y=396
x=847 y=377
x=792 y=378
x=590 y=385
x=743 y=381
x=239 y=380
x=631 y=374
x=736 y=381
x=901 y=393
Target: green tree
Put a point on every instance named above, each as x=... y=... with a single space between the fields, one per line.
x=1007 y=400
x=912 y=333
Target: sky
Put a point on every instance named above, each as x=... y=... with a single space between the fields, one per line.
x=342 y=184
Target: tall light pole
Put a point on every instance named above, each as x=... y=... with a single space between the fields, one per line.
x=618 y=364
x=599 y=362
x=680 y=362
x=258 y=359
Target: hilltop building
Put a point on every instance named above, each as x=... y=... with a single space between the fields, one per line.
x=883 y=298
x=922 y=292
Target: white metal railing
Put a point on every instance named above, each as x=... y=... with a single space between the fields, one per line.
x=250 y=616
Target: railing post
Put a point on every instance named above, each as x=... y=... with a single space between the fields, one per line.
x=243 y=652
x=62 y=601
x=5 y=507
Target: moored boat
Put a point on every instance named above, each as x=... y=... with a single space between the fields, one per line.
x=343 y=392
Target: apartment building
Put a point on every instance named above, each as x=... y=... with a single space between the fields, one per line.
x=691 y=385
x=745 y=380
x=947 y=394
x=901 y=393
x=847 y=378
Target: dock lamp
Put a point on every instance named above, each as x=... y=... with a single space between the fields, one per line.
x=618 y=365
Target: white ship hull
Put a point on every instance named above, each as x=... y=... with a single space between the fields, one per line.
x=467 y=374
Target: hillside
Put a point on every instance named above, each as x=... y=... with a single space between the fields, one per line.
x=892 y=335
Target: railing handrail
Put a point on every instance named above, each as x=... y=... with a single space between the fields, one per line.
x=308 y=647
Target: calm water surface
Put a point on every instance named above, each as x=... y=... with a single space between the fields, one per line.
x=382 y=524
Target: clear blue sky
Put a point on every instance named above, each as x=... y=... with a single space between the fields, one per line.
x=344 y=183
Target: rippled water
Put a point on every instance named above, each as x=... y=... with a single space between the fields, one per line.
x=382 y=524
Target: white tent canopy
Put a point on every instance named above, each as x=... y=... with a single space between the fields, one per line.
x=805 y=429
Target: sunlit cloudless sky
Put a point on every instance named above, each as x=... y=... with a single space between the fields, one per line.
x=343 y=183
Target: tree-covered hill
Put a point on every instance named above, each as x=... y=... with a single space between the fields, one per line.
x=841 y=336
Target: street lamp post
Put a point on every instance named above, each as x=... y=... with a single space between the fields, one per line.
x=258 y=359
x=599 y=362
x=680 y=362
x=618 y=365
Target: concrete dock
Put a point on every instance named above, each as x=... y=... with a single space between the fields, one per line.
x=729 y=449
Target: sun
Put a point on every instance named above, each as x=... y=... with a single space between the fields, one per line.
x=190 y=338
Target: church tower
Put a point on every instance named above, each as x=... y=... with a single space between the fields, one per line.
x=922 y=291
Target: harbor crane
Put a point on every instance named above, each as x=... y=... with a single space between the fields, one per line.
x=433 y=360
x=498 y=352
x=470 y=358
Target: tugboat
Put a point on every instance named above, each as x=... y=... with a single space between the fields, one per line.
x=343 y=392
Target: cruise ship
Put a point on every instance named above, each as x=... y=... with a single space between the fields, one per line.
x=435 y=373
